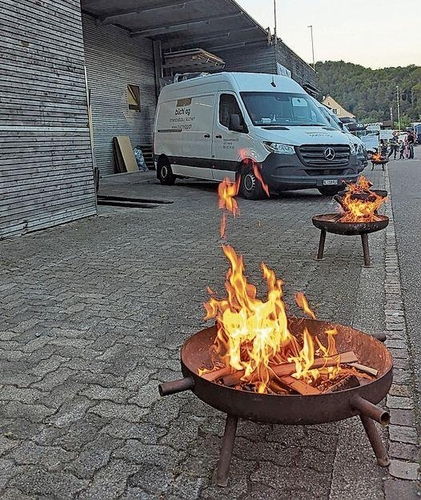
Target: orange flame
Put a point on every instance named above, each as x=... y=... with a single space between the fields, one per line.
x=226 y=191
x=360 y=204
x=259 y=177
x=252 y=334
x=302 y=303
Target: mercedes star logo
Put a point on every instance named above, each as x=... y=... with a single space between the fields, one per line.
x=329 y=153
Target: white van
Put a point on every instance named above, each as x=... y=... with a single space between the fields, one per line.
x=221 y=125
x=335 y=122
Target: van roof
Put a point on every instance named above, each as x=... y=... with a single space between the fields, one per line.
x=242 y=82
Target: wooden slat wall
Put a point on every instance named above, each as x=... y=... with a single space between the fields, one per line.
x=114 y=60
x=45 y=157
x=253 y=59
x=261 y=59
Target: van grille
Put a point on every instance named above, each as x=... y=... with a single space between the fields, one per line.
x=314 y=155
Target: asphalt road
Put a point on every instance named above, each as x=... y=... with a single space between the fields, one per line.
x=405 y=181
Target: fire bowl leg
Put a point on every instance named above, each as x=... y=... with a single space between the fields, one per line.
x=375 y=441
x=226 y=450
x=366 y=251
x=321 y=244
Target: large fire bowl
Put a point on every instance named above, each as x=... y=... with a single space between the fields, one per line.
x=329 y=223
x=291 y=409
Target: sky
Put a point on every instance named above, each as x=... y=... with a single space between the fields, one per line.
x=366 y=32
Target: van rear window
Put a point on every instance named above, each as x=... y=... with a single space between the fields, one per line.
x=183 y=102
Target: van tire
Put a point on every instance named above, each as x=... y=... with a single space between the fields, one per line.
x=250 y=186
x=330 y=190
x=165 y=173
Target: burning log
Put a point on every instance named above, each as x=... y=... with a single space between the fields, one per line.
x=348 y=382
x=364 y=369
x=215 y=374
x=298 y=386
x=286 y=369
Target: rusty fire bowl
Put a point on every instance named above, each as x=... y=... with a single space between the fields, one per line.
x=290 y=409
x=331 y=224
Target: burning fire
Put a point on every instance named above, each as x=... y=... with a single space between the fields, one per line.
x=253 y=335
x=226 y=191
x=359 y=203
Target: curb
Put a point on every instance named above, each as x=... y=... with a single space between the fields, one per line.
x=403 y=439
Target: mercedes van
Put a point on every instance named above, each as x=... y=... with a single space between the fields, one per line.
x=335 y=122
x=225 y=124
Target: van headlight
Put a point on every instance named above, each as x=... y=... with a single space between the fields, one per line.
x=352 y=148
x=279 y=148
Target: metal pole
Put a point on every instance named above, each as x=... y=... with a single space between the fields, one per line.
x=398 y=106
x=312 y=44
x=274 y=19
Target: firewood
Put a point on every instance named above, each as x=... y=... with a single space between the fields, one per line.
x=289 y=368
x=365 y=369
x=298 y=385
x=348 y=382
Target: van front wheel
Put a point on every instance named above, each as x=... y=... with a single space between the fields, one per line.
x=165 y=173
x=250 y=186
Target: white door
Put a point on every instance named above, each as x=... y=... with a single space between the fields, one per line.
x=228 y=145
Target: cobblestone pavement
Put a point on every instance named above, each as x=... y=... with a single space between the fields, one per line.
x=93 y=316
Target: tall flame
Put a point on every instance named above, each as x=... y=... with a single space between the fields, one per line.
x=226 y=191
x=252 y=334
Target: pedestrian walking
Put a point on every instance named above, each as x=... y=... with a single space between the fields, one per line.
x=401 y=146
x=411 y=141
x=393 y=143
x=406 y=152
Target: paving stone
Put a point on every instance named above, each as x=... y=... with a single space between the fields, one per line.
x=402 y=403
x=404 y=470
x=35 y=481
x=109 y=482
x=400 y=489
x=403 y=434
x=402 y=417
x=404 y=451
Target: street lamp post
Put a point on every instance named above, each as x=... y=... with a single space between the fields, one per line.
x=312 y=44
x=398 y=106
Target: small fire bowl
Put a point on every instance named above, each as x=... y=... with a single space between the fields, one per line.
x=331 y=224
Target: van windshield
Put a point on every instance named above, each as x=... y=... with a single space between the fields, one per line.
x=267 y=109
x=331 y=119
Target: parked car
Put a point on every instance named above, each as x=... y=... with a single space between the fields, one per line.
x=224 y=124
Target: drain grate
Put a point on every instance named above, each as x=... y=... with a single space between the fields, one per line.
x=122 y=201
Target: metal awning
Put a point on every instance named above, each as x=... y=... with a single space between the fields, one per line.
x=211 y=25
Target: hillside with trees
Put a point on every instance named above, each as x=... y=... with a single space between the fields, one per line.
x=371 y=95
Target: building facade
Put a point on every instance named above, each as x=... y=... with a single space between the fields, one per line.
x=76 y=73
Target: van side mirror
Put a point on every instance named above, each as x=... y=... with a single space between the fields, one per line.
x=235 y=123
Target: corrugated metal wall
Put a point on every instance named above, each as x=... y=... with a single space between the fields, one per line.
x=45 y=157
x=113 y=61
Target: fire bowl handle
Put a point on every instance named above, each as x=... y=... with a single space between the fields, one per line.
x=183 y=384
x=369 y=410
x=379 y=336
